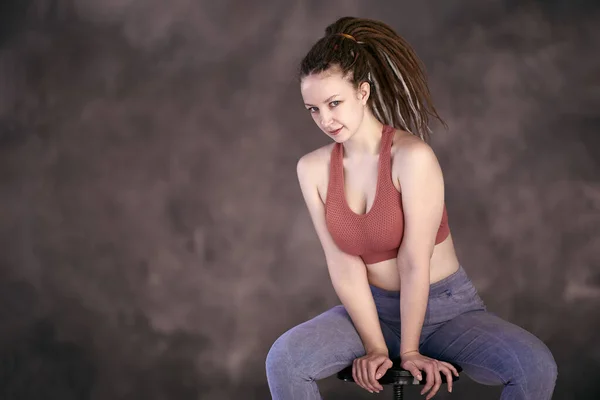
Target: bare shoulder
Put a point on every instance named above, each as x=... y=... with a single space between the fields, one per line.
x=410 y=152
x=313 y=166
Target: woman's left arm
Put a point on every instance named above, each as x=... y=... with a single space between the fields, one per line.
x=422 y=187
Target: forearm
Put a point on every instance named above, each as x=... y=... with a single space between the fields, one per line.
x=414 y=294
x=352 y=287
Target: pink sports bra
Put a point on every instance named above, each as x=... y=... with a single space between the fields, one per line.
x=376 y=235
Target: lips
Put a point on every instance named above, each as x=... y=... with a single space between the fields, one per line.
x=334 y=132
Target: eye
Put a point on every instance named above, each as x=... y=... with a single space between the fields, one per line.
x=312 y=110
x=334 y=103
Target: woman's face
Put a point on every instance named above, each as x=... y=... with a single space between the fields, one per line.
x=335 y=105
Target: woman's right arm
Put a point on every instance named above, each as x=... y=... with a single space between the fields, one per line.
x=348 y=273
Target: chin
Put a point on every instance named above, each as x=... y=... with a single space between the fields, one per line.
x=340 y=138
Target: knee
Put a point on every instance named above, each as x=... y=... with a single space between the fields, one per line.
x=280 y=357
x=546 y=366
x=539 y=368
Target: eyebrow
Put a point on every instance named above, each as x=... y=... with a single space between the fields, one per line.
x=326 y=101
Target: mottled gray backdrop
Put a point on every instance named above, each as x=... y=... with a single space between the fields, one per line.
x=153 y=238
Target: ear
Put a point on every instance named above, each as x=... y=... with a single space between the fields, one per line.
x=363 y=92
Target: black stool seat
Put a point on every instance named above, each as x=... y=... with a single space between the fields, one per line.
x=396 y=376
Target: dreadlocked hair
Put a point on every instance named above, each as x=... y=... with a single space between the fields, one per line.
x=370 y=51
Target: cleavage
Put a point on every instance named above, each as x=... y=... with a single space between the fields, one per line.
x=360 y=184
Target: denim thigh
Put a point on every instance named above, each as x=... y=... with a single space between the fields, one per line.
x=448 y=298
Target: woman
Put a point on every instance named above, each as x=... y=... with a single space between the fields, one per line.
x=376 y=199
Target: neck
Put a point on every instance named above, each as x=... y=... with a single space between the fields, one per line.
x=366 y=140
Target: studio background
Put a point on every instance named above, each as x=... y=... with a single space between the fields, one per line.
x=153 y=237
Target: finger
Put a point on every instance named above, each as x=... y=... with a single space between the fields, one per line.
x=430 y=378
x=387 y=364
x=371 y=369
x=448 y=373
x=361 y=375
x=357 y=377
x=364 y=373
x=369 y=372
x=437 y=384
x=354 y=377
x=451 y=367
x=411 y=367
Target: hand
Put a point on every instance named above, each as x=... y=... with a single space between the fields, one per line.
x=367 y=369
x=415 y=362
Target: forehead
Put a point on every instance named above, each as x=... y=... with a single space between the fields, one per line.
x=316 y=88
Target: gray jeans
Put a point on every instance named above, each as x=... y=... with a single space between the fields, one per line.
x=457 y=328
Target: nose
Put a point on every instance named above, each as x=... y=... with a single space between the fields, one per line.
x=326 y=118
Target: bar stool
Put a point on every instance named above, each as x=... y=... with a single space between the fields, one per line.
x=396 y=376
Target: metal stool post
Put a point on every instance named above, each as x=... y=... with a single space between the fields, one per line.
x=398 y=392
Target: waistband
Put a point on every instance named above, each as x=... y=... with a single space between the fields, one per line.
x=436 y=288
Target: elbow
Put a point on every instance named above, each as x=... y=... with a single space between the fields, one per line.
x=410 y=261
x=346 y=271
